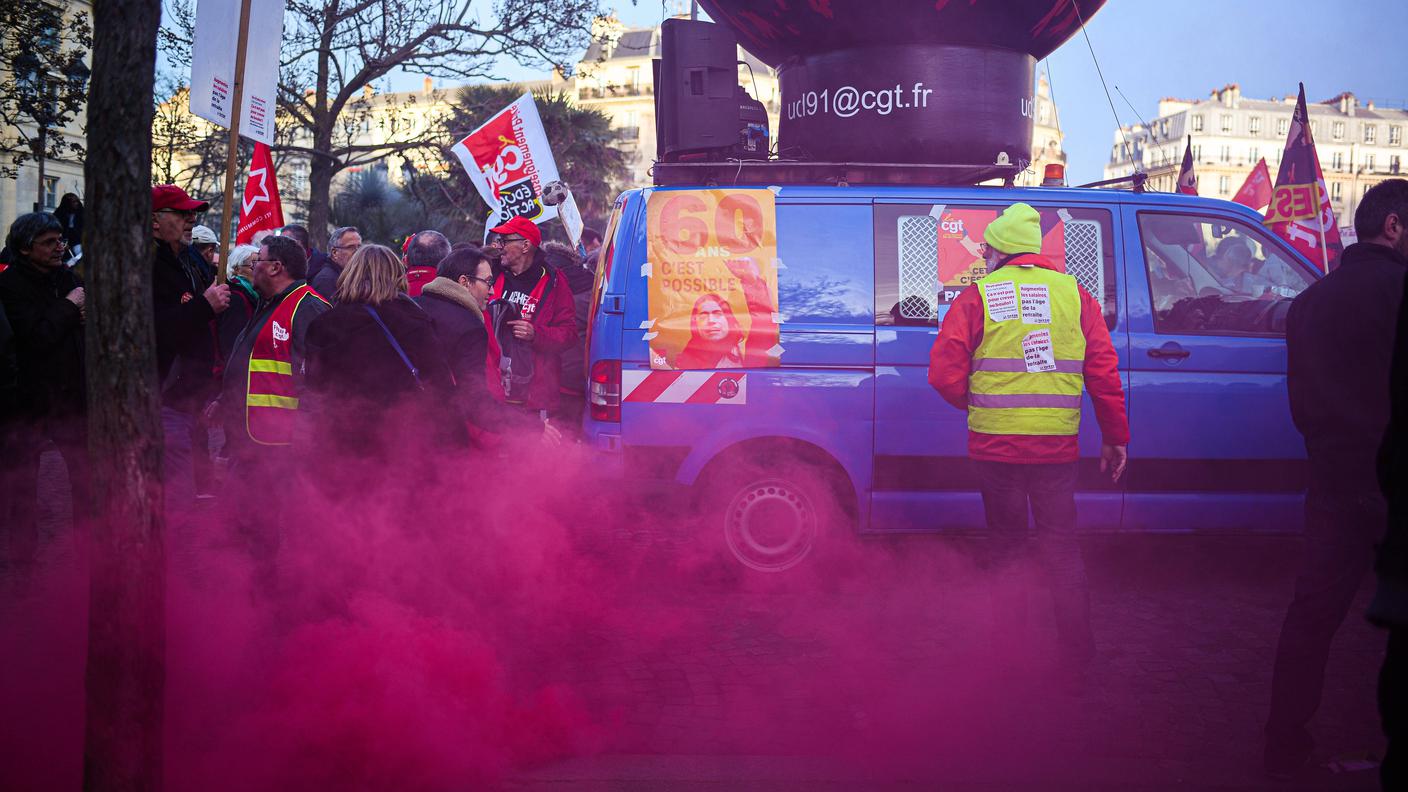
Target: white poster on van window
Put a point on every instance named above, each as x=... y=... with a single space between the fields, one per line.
x=213 y=65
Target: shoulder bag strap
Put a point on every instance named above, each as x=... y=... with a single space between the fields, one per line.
x=415 y=372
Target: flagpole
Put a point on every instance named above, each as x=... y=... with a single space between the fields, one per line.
x=232 y=155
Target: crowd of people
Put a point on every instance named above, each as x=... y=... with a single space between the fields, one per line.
x=298 y=352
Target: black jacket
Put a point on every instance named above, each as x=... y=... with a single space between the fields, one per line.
x=361 y=397
x=1339 y=343
x=185 y=337
x=9 y=370
x=580 y=281
x=1392 y=564
x=48 y=339
x=325 y=282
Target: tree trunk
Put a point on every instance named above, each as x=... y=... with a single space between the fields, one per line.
x=319 y=193
x=127 y=613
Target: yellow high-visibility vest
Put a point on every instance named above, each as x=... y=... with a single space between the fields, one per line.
x=1028 y=373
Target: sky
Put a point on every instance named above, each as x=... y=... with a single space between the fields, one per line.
x=1189 y=48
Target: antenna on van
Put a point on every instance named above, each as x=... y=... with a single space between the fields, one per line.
x=1100 y=72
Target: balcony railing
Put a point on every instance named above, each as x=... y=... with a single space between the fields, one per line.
x=614 y=91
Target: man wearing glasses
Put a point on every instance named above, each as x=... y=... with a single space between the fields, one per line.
x=185 y=305
x=341 y=245
x=548 y=326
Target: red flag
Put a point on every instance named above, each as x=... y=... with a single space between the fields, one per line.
x=1300 y=210
x=1187 y=179
x=260 y=210
x=1256 y=190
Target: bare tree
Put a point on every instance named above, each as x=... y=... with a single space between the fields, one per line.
x=44 y=83
x=127 y=615
x=334 y=49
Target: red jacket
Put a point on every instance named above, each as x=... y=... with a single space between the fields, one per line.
x=554 y=330
x=950 y=362
x=416 y=278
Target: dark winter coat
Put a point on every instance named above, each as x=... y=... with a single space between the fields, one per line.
x=325 y=282
x=9 y=370
x=72 y=221
x=580 y=281
x=185 y=335
x=1339 y=342
x=1390 y=606
x=48 y=341
x=362 y=400
x=459 y=324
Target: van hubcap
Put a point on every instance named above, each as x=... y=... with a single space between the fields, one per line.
x=770 y=526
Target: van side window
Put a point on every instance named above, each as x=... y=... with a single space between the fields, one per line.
x=1214 y=276
x=822 y=277
x=926 y=255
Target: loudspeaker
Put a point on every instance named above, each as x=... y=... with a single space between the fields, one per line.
x=701 y=111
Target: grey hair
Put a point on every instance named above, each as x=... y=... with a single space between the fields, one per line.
x=28 y=226
x=337 y=235
x=238 y=257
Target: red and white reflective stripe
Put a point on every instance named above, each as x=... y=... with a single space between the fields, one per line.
x=684 y=387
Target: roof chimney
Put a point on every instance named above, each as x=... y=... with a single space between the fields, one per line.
x=427 y=86
x=1348 y=103
x=366 y=92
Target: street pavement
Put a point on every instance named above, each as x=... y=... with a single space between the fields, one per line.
x=876 y=668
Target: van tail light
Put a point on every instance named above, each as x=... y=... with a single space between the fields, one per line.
x=604 y=392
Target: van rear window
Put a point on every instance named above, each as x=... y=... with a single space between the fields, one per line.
x=824 y=277
x=927 y=254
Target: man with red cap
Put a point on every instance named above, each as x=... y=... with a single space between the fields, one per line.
x=531 y=320
x=185 y=305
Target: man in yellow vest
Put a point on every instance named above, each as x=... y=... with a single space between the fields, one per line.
x=1016 y=350
x=263 y=378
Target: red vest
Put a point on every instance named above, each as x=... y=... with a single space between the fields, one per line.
x=270 y=398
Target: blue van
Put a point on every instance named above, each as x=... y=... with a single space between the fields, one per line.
x=848 y=429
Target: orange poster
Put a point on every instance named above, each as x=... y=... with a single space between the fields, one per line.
x=713 y=279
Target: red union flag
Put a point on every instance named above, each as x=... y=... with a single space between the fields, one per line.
x=509 y=160
x=1315 y=235
x=260 y=210
x=1187 y=179
x=1256 y=190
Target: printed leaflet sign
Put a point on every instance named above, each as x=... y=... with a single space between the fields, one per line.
x=213 y=64
x=713 y=279
x=509 y=160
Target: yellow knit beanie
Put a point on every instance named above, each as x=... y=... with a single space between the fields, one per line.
x=1017 y=230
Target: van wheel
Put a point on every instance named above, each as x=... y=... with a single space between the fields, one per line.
x=771 y=520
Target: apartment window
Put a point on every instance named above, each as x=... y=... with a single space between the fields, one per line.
x=1163 y=127
x=633 y=78
x=51 y=192
x=1197 y=123
x=1337 y=130
x=1253 y=155
x=1254 y=125
x=1335 y=190
x=1226 y=122
x=1369 y=162
x=1315 y=129
x=1282 y=126
x=1197 y=152
x=1222 y=185
x=1394 y=164
x=630 y=126
x=1337 y=161
x=1224 y=154
x=1371 y=133
x=1395 y=136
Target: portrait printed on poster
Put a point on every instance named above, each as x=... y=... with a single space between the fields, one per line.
x=713 y=280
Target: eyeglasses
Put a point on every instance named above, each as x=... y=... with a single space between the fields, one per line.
x=500 y=241
x=253 y=261
x=353 y=248
x=486 y=281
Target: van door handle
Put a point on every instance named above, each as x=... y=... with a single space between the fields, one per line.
x=1169 y=351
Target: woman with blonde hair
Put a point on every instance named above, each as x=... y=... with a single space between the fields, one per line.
x=375 y=355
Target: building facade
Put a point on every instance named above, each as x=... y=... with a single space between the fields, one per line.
x=20 y=194
x=1359 y=144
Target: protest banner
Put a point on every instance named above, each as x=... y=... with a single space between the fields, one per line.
x=510 y=162
x=213 y=62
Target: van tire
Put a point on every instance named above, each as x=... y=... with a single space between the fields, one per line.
x=775 y=512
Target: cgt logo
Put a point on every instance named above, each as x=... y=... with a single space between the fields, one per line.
x=952 y=225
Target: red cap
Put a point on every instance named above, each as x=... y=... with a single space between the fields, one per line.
x=523 y=227
x=169 y=196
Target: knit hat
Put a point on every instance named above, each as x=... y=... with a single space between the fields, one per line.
x=1016 y=230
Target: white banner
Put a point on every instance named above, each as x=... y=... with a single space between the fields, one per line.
x=509 y=160
x=213 y=64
